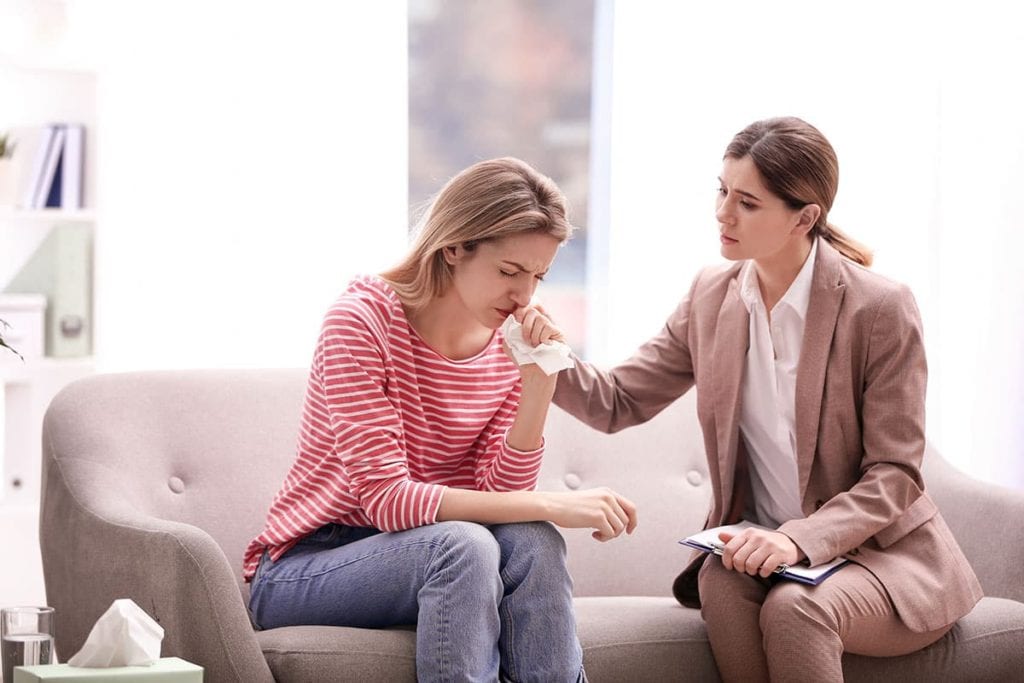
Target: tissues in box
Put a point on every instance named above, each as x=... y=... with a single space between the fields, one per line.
x=164 y=670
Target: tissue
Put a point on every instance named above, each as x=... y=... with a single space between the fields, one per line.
x=124 y=636
x=550 y=356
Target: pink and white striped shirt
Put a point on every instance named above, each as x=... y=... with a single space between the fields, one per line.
x=388 y=423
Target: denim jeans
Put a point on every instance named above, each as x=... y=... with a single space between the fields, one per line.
x=486 y=600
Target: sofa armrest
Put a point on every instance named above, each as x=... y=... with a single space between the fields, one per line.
x=988 y=522
x=97 y=547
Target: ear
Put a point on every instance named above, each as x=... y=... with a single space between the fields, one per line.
x=807 y=219
x=453 y=254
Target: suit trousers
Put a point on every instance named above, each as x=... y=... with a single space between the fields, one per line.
x=781 y=630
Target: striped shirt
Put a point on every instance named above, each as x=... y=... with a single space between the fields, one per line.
x=388 y=423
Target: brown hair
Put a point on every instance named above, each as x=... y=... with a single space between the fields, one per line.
x=798 y=164
x=487 y=201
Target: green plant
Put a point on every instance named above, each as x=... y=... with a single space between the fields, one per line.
x=3 y=342
x=6 y=146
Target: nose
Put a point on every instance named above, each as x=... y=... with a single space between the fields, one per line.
x=723 y=212
x=521 y=293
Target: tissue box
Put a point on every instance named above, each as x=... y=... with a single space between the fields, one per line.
x=164 y=670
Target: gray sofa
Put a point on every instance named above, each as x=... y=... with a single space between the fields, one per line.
x=153 y=483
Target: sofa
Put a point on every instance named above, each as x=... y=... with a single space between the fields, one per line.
x=154 y=482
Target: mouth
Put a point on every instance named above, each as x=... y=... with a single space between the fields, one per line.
x=503 y=313
x=727 y=240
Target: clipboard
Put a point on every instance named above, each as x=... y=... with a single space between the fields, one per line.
x=707 y=541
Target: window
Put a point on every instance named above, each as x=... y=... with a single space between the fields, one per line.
x=507 y=78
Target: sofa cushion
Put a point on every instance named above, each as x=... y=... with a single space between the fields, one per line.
x=640 y=639
x=985 y=645
x=333 y=653
x=656 y=639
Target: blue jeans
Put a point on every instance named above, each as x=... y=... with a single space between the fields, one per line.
x=485 y=599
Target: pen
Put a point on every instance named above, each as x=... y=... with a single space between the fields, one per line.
x=718 y=548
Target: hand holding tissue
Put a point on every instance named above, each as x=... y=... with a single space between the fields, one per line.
x=550 y=356
x=124 y=636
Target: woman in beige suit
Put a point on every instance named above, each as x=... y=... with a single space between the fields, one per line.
x=810 y=374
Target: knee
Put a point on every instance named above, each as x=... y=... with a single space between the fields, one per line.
x=724 y=588
x=791 y=608
x=466 y=543
x=538 y=539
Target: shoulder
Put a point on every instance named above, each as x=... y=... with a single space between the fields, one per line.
x=713 y=282
x=873 y=292
x=367 y=303
x=873 y=304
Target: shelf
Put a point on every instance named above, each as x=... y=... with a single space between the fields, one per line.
x=11 y=214
x=15 y=371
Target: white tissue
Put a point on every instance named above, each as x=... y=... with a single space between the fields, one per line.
x=124 y=636
x=551 y=356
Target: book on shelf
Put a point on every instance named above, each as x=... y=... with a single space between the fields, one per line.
x=52 y=163
x=31 y=153
x=72 y=166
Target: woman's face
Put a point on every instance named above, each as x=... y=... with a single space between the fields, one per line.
x=501 y=275
x=753 y=222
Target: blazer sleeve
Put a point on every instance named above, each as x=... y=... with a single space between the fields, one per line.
x=893 y=439
x=633 y=392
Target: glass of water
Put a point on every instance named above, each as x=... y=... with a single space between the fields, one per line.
x=26 y=638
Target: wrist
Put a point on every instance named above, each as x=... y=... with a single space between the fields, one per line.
x=536 y=382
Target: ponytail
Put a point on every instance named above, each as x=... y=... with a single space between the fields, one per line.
x=845 y=245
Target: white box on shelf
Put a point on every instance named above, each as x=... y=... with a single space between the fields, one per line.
x=25 y=315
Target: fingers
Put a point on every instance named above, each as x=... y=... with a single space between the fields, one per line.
x=537 y=325
x=615 y=514
x=629 y=508
x=751 y=552
x=771 y=563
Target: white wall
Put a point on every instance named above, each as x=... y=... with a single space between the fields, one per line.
x=249 y=157
x=253 y=158
x=922 y=102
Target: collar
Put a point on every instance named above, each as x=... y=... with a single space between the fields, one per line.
x=796 y=297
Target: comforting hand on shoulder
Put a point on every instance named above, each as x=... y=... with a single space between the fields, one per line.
x=758 y=551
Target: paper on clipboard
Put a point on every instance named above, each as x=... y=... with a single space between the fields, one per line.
x=707 y=541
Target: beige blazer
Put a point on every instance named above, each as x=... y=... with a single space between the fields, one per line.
x=860 y=394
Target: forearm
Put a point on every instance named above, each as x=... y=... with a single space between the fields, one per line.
x=527 y=430
x=487 y=507
x=601 y=509
x=849 y=518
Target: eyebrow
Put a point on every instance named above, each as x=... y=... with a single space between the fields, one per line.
x=743 y=192
x=522 y=267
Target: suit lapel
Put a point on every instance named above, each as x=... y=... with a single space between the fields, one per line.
x=822 y=312
x=732 y=337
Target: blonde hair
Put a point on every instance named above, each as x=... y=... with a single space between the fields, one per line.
x=799 y=165
x=487 y=201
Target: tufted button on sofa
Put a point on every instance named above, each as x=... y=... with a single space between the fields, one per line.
x=153 y=483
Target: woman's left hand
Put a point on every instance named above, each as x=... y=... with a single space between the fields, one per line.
x=759 y=552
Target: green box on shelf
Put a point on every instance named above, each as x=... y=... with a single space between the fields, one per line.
x=164 y=670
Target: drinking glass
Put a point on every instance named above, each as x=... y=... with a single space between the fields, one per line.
x=26 y=638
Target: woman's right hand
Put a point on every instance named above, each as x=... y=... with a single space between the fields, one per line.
x=601 y=509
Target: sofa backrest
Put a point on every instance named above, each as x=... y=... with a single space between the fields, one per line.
x=210 y=448
x=207 y=448
x=661 y=467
